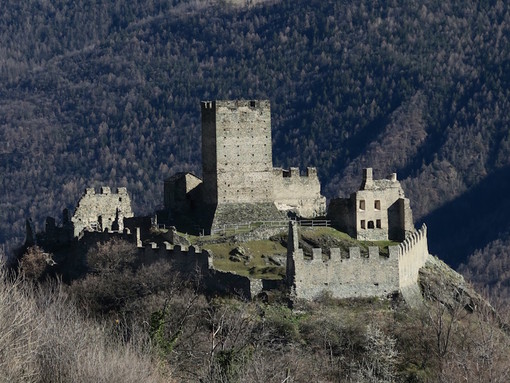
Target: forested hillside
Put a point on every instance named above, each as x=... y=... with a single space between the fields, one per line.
x=107 y=93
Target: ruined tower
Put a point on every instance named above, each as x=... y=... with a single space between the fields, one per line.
x=239 y=184
x=236 y=151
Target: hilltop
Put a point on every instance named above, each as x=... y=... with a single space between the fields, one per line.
x=161 y=325
x=108 y=93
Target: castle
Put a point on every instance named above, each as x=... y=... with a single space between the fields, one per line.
x=239 y=182
x=240 y=185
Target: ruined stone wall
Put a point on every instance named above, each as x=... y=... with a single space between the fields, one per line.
x=177 y=189
x=341 y=214
x=412 y=254
x=352 y=274
x=298 y=194
x=236 y=151
x=105 y=210
x=343 y=275
x=379 y=214
x=187 y=260
x=195 y=264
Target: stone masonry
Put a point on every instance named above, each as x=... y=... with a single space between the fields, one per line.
x=348 y=275
x=103 y=211
x=378 y=211
x=236 y=152
x=239 y=183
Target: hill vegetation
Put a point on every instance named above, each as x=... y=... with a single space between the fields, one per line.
x=108 y=93
x=127 y=319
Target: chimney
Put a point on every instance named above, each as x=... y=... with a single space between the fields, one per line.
x=368 y=181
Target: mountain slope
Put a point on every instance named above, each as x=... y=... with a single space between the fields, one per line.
x=109 y=94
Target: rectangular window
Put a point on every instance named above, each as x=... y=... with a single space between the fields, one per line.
x=363 y=224
x=378 y=223
x=362 y=204
x=377 y=204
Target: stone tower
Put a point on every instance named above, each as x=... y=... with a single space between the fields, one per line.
x=236 y=152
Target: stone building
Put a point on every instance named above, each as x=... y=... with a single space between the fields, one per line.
x=239 y=183
x=378 y=211
x=103 y=211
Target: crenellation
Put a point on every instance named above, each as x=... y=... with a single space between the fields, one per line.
x=239 y=182
x=373 y=252
x=103 y=211
x=373 y=274
x=311 y=172
x=240 y=185
x=354 y=253
x=317 y=255
x=335 y=255
x=294 y=172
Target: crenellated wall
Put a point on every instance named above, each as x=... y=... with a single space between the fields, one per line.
x=298 y=194
x=195 y=264
x=354 y=274
x=186 y=259
x=413 y=252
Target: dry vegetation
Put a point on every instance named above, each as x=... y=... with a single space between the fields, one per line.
x=44 y=338
x=136 y=322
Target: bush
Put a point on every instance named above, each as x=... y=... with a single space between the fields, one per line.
x=35 y=263
x=112 y=256
x=43 y=338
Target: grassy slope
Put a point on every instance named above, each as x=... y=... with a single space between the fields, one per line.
x=262 y=254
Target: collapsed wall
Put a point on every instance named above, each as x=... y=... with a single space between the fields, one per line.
x=297 y=194
x=103 y=211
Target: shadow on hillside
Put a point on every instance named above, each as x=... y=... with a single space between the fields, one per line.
x=472 y=220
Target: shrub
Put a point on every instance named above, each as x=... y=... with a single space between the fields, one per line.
x=43 y=338
x=35 y=263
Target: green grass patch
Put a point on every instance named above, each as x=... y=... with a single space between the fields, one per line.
x=258 y=263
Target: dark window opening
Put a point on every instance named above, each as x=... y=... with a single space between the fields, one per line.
x=377 y=204
x=378 y=223
x=362 y=204
x=370 y=224
x=363 y=224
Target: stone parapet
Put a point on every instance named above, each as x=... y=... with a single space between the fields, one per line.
x=355 y=273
